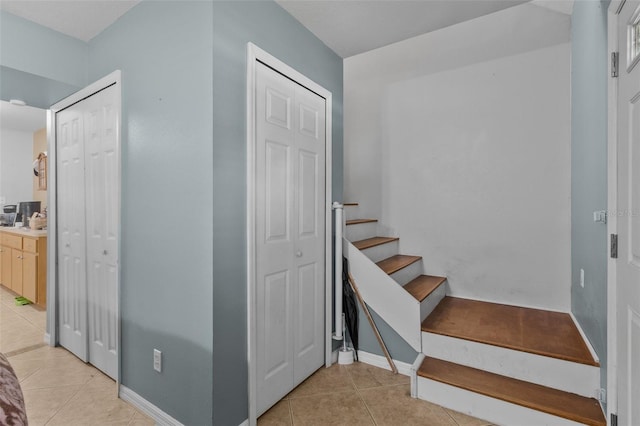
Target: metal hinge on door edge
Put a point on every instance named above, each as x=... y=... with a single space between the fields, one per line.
x=614 y=419
x=614 y=246
x=614 y=64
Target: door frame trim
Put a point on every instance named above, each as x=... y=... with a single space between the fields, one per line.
x=612 y=218
x=255 y=54
x=52 y=235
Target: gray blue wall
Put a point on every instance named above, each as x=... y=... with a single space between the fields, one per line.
x=269 y=27
x=183 y=263
x=589 y=171
x=164 y=49
x=39 y=65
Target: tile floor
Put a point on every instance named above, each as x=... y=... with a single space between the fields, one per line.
x=359 y=394
x=58 y=388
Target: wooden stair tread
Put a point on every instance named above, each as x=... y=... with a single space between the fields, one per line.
x=552 y=401
x=357 y=221
x=372 y=242
x=421 y=287
x=397 y=262
x=535 y=331
x=350 y=204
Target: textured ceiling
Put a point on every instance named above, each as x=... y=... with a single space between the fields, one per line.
x=350 y=27
x=81 y=19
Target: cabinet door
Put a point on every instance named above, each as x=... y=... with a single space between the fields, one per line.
x=5 y=259
x=29 y=276
x=16 y=270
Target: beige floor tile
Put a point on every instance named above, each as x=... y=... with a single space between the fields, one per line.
x=465 y=420
x=42 y=404
x=25 y=367
x=140 y=419
x=325 y=380
x=60 y=372
x=94 y=407
x=339 y=408
x=278 y=415
x=44 y=353
x=15 y=338
x=392 y=405
x=103 y=383
x=367 y=376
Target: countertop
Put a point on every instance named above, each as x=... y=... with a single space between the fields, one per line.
x=24 y=232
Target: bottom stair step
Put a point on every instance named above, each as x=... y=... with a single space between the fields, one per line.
x=548 y=400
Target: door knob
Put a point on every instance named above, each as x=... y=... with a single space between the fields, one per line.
x=67 y=245
x=105 y=252
x=298 y=253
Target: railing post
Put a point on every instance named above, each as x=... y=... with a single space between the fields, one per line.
x=339 y=223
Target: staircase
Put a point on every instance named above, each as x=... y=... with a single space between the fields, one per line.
x=506 y=364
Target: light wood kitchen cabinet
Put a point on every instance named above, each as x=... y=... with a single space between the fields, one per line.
x=5 y=266
x=16 y=270
x=23 y=264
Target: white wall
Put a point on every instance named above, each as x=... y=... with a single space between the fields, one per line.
x=459 y=141
x=16 y=171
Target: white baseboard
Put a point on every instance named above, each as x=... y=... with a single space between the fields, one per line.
x=47 y=339
x=381 y=362
x=584 y=337
x=160 y=417
x=245 y=423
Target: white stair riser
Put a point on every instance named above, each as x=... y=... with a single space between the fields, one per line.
x=555 y=373
x=361 y=231
x=483 y=407
x=383 y=251
x=429 y=304
x=404 y=275
x=352 y=212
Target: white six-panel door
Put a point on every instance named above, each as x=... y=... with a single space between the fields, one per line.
x=101 y=118
x=88 y=216
x=290 y=234
x=72 y=290
x=628 y=263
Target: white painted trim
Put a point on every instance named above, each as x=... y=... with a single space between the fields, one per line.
x=52 y=233
x=612 y=219
x=254 y=54
x=414 y=374
x=52 y=265
x=47 y=338
x=160 y=417
x=381 y=362
x=245 y=423
x=387 y=298
x=585 y=338
x=484 y=407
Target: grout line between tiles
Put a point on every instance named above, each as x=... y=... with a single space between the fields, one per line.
x=366 y=407
x=25 y=350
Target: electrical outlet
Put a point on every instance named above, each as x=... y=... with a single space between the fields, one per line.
x=581 y=277
x=157 y=360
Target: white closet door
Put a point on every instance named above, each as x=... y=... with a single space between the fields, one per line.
x=289 y=234
x=309 y=238
x=88 y=194
x=72 y=290
x=101 y=117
